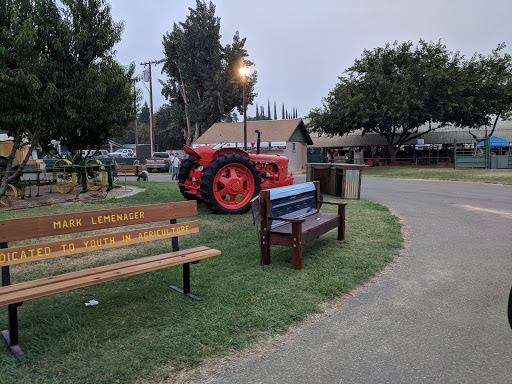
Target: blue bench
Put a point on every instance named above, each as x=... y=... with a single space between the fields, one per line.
x=290 y=216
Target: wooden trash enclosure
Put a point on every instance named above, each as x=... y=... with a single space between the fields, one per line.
x=337 y=179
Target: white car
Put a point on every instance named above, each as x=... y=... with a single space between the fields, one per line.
x=123 y=152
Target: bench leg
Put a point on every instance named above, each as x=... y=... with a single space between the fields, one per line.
x=341 y=228
x=186 y=284
x=297 y=245
x=11 y=335
x=264 y=247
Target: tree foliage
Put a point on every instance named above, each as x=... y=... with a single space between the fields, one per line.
x=144 y=115
x=392 y=91
x=203 y=75
x=168 y=127
x=58 y=79
x=488 y=86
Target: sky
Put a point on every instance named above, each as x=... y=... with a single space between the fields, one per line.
x=301 y=47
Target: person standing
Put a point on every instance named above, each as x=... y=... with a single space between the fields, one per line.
x=171 y=166
x=176 y=167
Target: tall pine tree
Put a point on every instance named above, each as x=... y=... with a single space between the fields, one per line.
x=203 y=75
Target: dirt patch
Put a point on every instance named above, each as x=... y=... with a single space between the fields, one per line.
x=47 y=196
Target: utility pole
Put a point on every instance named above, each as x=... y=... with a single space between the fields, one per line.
x=151 y=133
x=135 y=121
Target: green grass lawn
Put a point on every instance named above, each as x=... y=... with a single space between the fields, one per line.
x=142 y=330
x=492 y=176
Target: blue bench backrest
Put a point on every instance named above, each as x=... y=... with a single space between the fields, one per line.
x=293 y=201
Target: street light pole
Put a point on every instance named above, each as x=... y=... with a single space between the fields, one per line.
x=245 y=117
x=243 y=72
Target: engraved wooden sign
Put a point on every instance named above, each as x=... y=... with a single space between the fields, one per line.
x=19 y=255
x=34 y=227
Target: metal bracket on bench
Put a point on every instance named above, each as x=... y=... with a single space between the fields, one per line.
x=186 y=284
x=186 y=272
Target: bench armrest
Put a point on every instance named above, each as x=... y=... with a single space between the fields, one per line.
x=341 y=211
x=290 y=220
x=338 y=203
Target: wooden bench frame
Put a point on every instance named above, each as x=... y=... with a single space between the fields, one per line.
x=13 y=295
x=299 y=230
x=127 y=169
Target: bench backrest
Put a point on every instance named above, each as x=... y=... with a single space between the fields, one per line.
x=293 y=201
x=53 y=225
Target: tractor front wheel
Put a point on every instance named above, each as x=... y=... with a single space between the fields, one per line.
x=229 y=183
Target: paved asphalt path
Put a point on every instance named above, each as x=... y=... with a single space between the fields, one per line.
x=437 y=316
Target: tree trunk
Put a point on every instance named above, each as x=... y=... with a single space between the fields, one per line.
x=183 y=91
x=392 y=150
x=197 y=132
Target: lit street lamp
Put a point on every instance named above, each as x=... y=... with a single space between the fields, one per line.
x=244 y=71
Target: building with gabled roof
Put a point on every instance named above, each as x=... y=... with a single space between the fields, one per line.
x=284 y=137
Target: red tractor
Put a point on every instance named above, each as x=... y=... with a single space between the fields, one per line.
x=226 y=179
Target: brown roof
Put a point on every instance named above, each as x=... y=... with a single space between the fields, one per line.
x=271 y=130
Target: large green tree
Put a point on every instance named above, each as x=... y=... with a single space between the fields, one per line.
x=58 y=79
x=392 y=91
x=203 y=75
x=488 y=85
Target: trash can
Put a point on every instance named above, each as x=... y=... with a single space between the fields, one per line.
x=337 y=179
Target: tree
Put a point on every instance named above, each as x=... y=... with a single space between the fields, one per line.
x=144 y=115
x=491 y=100
x=275 y=111
x=168 y=133
x=394 y=90
x=203 y=75
x=58 y=79
x=231 y=118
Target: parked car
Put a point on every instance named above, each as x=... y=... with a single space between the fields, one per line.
x=101 y=153
x=159 y=161
x=123 y=152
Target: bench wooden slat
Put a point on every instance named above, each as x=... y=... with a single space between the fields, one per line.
x=317 y=220
x=71 y=281
x=86 y=272
x=41 y=226
x=29 y=253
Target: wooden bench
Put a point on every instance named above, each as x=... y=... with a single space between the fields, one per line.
x=13 y=295
x=132 y=170
x=290 y=217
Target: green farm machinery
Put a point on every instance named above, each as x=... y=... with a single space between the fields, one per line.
x=64 y=174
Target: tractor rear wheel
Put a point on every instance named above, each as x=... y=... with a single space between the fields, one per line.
x=229 y=183
x=184 y=175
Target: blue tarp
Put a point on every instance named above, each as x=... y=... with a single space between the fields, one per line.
x=496 y=142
